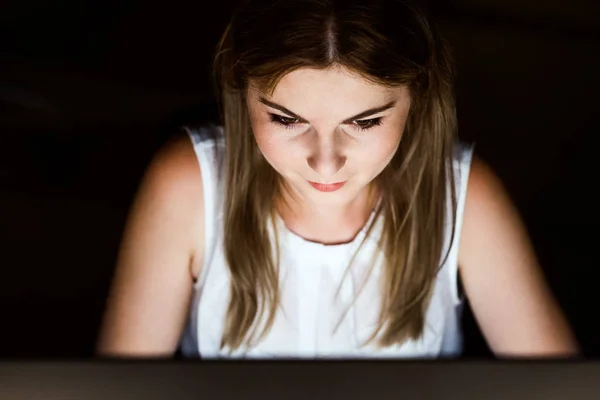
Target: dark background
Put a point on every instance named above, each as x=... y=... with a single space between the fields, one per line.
x=90 y=89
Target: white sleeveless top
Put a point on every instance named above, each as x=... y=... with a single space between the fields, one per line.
x=310 y=275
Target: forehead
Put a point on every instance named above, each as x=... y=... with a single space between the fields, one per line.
x=327 y=95
x=335 y=83
x=333 y=80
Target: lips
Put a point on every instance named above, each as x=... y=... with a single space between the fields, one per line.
x=327 y=187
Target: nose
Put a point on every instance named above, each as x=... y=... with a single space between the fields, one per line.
x=327 y=158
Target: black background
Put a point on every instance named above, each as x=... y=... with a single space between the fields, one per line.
x=90 y=89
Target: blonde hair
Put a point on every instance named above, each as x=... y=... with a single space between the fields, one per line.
x=387 y=42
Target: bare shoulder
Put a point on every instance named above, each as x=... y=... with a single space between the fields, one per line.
x=175 y=170
x=173 y=182
x=152 y=286
x=483 y=181
x=503 y=280
x=490 y=218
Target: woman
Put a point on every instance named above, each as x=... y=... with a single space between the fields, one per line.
x=334 y=212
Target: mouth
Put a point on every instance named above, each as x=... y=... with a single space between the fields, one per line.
x=327 y=187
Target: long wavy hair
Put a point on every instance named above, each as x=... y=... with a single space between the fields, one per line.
x=388 y=42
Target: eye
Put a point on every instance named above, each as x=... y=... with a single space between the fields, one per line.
x=365 y=124
x=287 y=122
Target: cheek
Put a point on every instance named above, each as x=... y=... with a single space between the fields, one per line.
x=382 y=151
x=272 y=150
x=265 y=135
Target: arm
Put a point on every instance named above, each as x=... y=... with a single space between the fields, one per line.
x=151 y=291
x=502 y=279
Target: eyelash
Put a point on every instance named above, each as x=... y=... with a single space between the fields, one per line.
x=287 y=124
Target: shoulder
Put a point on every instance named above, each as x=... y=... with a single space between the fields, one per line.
x=493 y=234
x=487 y=203
x=490 y=221
x=171 y=193
x=503 y=280
x=486 y=196
x=174 y=172
x=152 y=280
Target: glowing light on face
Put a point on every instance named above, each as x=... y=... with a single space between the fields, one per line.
x=323 y=127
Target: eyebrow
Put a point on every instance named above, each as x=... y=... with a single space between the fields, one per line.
x=358 y=116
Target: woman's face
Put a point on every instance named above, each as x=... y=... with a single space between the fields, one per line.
x=328 y=126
